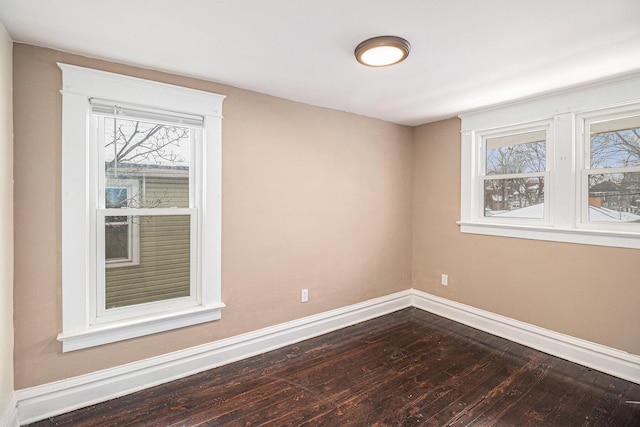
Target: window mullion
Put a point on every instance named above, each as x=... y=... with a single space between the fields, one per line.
x=562 y=178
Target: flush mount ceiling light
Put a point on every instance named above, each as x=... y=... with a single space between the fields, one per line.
x=382 y=51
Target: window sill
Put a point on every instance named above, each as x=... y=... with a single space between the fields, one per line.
x=554 y=234
x=104 y=334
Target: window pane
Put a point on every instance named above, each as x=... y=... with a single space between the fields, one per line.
x=115 y=197
x=115 y=220
x=514 y=197
x=155 y=155
x=614 y=197
x=116 y=240
x=615 y=143
x=520 y=153
x=164 y=269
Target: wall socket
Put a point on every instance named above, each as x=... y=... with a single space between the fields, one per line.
x=304 y=295
x=444 y=280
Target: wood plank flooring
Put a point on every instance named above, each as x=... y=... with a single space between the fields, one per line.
x=408 y=368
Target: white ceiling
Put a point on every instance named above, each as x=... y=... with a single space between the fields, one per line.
x=466 y=54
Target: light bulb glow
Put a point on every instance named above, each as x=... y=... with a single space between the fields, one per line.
x=382 y=55
x=382 y=51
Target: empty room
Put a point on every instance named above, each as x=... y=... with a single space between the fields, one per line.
x=320 y=213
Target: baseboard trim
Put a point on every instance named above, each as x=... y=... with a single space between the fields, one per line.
x=9 y=417
x=599 y=357
x=52 y=399
x=37 y=403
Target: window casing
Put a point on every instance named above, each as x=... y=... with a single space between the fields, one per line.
x=574 y=180
x=140 y=216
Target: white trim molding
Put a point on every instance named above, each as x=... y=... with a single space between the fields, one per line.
x=9 y=417
x=86 y=321
x=567 y=167
x=586 y=353
x=52 y=399
x=37 y=403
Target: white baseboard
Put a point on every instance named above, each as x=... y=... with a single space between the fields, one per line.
x=37 y=403
x=51 y=399
x=599 y=357
x=9 y=417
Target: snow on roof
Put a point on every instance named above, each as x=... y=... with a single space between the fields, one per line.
x=595 y=214
x=534 y=211
x=604 y=214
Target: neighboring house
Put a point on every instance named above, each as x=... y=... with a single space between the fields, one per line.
x=604 y=194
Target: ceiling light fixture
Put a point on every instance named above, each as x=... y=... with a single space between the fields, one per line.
x=382 y=51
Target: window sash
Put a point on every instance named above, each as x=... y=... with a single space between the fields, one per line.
x=514 y=219
x=505 y=136
x=100 y=314
x=585 y=205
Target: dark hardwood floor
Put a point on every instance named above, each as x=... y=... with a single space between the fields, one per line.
x=408 y=368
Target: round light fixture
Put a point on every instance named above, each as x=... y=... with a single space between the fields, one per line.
x=382 y=51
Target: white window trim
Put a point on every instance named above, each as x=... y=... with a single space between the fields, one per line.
x=482 y=136
x=566 y=110
x=583 y=125
x=79 y=86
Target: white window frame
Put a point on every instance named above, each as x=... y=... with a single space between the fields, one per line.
x=132 y=186
x=566 y=113
x=99 y=313
x=481 y=146
x=79 y=244
x=584 y=122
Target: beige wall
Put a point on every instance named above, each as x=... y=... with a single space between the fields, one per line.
x=313 y=198
x=589 y=292
x=6 y=221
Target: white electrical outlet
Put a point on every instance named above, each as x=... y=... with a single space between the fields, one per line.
x=444 y=280
x=304 y=295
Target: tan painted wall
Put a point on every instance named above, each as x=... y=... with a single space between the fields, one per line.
x=6 y=221
x=313 y=198
x=589 y=292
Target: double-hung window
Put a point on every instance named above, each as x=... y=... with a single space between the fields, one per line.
x=146 y=175
x=141 y=207
x=562 y=167
x=610 y=181
x=514 y=166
